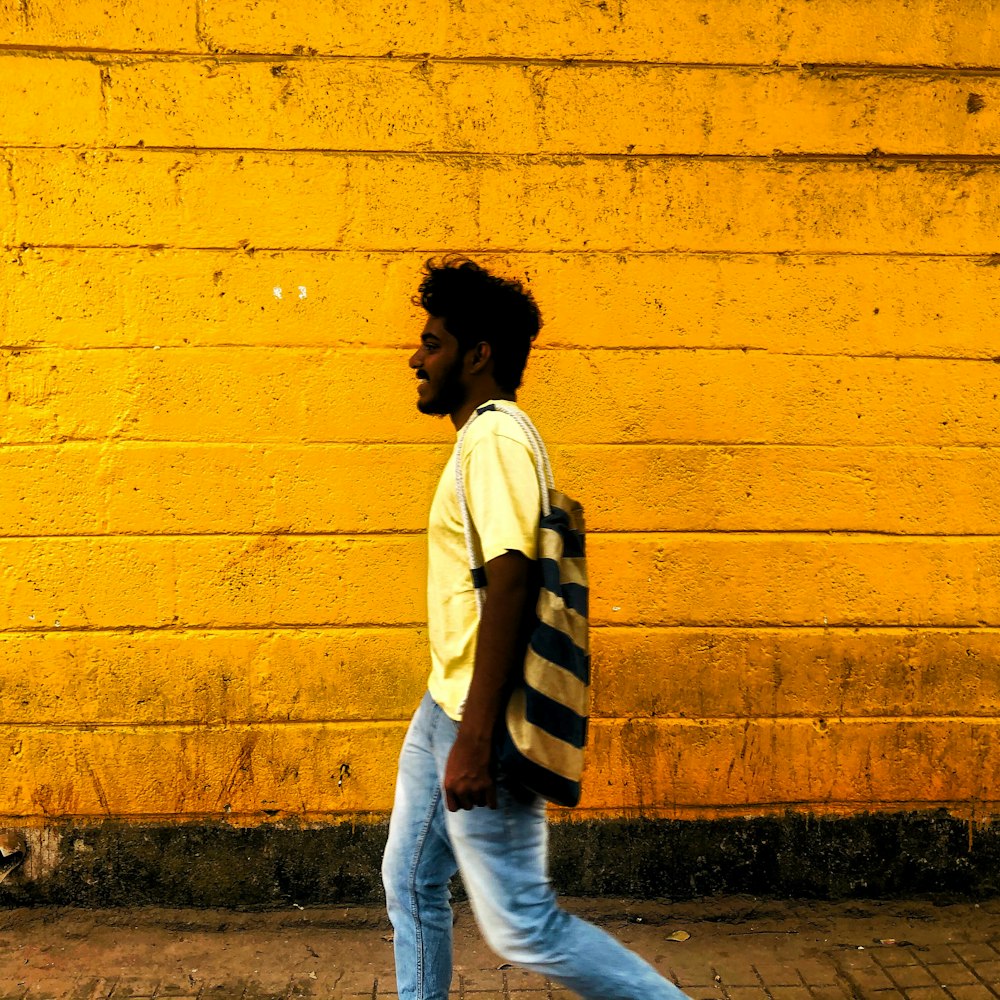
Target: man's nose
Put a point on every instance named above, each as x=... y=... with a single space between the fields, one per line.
x=415 y=359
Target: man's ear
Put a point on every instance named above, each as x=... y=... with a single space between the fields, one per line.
x=480 y=358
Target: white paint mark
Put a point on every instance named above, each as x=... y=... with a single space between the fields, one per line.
x=302 y=291
x=57 y=623
x=31 y=618
x=156 y=347
x=616 y=608
x=277 y=291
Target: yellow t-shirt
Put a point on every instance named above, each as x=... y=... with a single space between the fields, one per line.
x=501 y=488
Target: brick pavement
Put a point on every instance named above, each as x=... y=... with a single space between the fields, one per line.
x=739 y=949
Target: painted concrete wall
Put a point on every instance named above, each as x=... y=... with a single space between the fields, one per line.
x=765 y=241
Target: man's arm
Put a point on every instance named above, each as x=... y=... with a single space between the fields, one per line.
x=499 y=653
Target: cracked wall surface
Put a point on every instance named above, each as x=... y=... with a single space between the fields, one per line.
x=764 y=242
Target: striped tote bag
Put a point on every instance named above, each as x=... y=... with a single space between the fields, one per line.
x=540 y=738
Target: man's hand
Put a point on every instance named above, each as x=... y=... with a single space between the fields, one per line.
x=467 y=779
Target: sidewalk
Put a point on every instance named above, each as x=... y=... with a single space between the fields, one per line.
x=738 y=949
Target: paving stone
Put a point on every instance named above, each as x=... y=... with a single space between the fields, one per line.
x=816 y=973
x=82 y=989
x=862 y=961
x=952 y=974
x=976 y=992
x=735 y=973
x=777 y=974
x=976 y=951
x=519 y=979
x=815 y=963
x=220 y=991
x=686 y=978
x=254 y=992
x=890 y=958
x=101 y=989
x=989 y=972
x=936 y=954
x=172 y=988
x=57 y=988
x=48 y=991
x=910 y=976
x=829 y=993
x=868 y=977
x=134 y=989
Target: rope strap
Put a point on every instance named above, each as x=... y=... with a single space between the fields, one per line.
x=543 y=467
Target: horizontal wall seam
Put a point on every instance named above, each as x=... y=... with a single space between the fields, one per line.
x=851 y=533
x=906 y=628
x=260 y=817
x=207 y=55
x=748 y=631
x=243 y=627
x=123 y=444
x=346 y=348
x=237 y=249
x=271 y=445
x=831 y=809
x=833 y=443
x=980 y=258
x=875 y=158
x=540 y=348
x=659 y=721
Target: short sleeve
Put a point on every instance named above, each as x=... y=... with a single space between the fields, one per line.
x=501 y=487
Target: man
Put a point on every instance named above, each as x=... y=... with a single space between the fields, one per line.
x=449 y=813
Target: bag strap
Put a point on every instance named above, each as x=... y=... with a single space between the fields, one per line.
x=543 y=468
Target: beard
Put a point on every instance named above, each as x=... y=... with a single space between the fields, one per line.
x=449 y=396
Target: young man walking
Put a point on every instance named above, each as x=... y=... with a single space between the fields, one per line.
x=449 y=813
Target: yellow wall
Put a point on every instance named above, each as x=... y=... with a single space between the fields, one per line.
x=765 y=241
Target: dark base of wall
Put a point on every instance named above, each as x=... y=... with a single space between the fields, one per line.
x=874 y=856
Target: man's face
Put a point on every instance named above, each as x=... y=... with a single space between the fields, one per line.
x=437 y=363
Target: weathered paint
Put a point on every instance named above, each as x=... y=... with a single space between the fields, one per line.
x=870 y=304
x=295 y=675
x=646 y=579
x=639 y=767
x=127 y=25
x=837 y=31
x=144 y=488
x=764 y=241
x=367 y=201
x=259 y=394
x=405 y=105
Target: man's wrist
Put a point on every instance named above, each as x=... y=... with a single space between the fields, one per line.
x=475 y=735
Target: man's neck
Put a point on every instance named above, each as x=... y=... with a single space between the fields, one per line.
x=476 y=399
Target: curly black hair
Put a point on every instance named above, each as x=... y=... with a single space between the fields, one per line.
x=478 y=306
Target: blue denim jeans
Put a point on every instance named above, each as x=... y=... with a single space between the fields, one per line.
x=501 y=854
